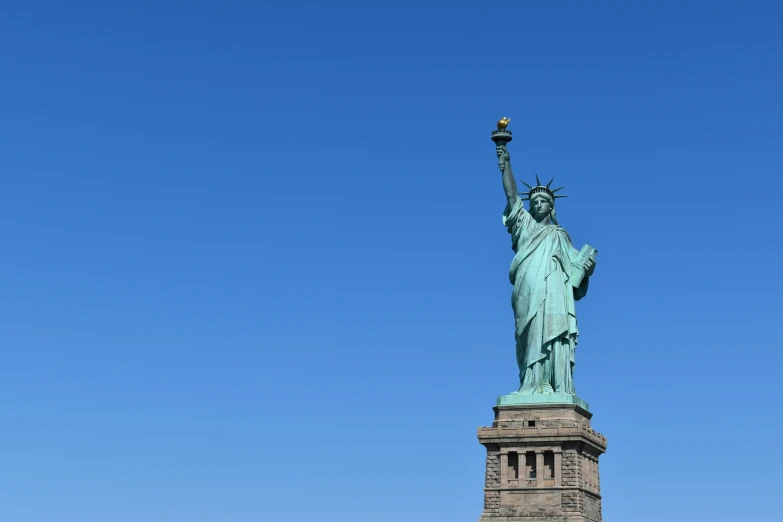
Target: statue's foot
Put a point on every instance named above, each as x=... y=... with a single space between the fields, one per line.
x=545 y=389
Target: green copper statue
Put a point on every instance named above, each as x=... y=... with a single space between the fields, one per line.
x=548 y=275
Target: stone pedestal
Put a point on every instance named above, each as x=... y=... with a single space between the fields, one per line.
x=542 y=465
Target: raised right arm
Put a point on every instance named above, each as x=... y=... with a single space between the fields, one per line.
x=509 y=184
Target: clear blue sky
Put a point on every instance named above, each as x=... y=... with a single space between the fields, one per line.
x=254 y=269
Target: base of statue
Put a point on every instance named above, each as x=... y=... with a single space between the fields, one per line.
x=541 y=398
x=542 y=463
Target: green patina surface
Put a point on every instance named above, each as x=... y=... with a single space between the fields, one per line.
x=541 y=398
x=548 y=275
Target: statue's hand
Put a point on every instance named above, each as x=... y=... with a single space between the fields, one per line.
x=503 y=156
x=589 y=267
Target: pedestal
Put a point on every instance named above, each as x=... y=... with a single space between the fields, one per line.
x=542 y=464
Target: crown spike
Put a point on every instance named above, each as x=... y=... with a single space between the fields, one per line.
x=550 y=182
x=558 y=197
x=538 y=181
x=525 y=184
x=555 y=190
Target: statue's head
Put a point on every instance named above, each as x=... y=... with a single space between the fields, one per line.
x=542 y=201
x=542 y=205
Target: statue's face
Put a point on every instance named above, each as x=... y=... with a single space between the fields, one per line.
x=540 y=207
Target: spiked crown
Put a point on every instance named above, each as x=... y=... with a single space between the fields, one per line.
x=539 y=188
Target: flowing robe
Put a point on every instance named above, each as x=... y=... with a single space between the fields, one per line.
x=543 y=301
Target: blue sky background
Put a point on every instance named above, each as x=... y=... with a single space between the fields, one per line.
x=254 y=269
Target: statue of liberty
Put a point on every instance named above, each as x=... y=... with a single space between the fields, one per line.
x=548 y=275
